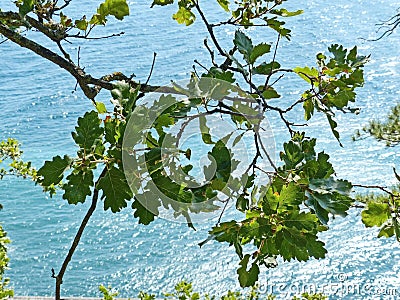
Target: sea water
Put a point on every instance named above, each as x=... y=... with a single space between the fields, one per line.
x=39 y=107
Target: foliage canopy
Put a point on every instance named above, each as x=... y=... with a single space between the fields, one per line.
x=122 y=158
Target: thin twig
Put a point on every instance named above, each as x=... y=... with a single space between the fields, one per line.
x=382 y=188
x=152 y=67
x=272 y=63
x=87 y=37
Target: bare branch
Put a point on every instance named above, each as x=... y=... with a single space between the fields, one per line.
x=151 y=69
x=75 y=243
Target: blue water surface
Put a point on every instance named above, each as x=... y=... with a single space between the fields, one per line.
x=39 y=107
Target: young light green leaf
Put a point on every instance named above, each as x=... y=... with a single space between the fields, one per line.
x=116 y=190
x=117 y=8
x=387 y=230
x=52 y=171
x=309 y=75
x=376 y=214
x=224 y=4
x=285 y=13
x=184 y=16
x=101 y=108
x=81 y=24
x=161 y=2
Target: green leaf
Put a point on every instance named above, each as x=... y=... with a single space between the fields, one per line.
x=184 y=16
x=302 y=221
x=238 y=138
x=352 y=56
x=308 y=106
x=224 y=4
x=81 y=24
x=26 y=7
x=222 y=157
x=278 y=27
x=116 y=190
x=324 y=204
x=117 y=8
x=376 y=214
x=250 y=277
x=205 y=131
x=88 y=131
x=270 y=93
x=244 y=44
x=266 y=69
x=293 y=154
x=259 y=50
x=161 y=2
x=101 y=108
x=291 y=195
x=320 y=168
x=242 y=204
x=53 y=171
x=333 y=125
x=387 y=231
x=338 y=52
x=309 y=75
x=111 y=129
x=315 y=248
x=342 y=98
x=330 y=185
x=78 y=186
x=145 y=216
x=285 y=13
x=220 y=74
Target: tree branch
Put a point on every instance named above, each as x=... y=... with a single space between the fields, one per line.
x=89 y=213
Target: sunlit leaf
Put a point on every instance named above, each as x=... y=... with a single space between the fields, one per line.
x=224 y=4
x=184 y=16
x=52 y=171
x=375 y=214
x=161 y=2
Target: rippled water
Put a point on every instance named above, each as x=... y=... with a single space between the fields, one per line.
x=39 y=108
